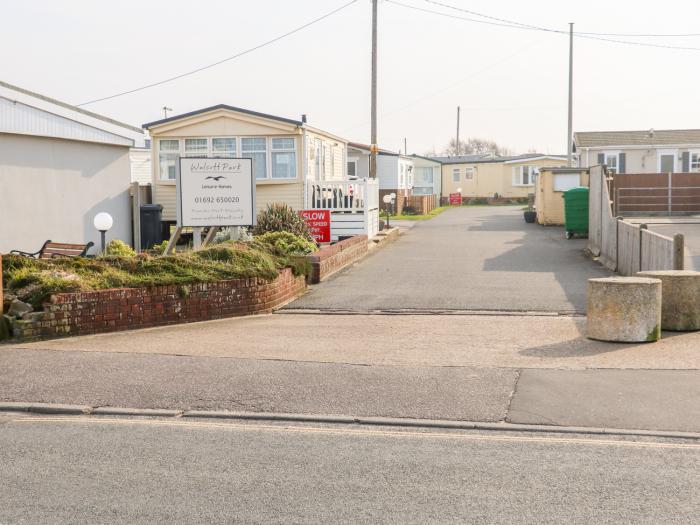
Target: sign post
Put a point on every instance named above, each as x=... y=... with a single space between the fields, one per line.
x=213 y=193
x=319 y=224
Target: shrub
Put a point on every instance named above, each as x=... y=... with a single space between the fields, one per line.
x=281 y=218
x=285 y=243
x=117 y=248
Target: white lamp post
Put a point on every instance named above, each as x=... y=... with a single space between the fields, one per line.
x=387 y=200
x=103 y=222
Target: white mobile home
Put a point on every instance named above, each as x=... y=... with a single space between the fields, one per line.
x=293 y=162
x=59 y=166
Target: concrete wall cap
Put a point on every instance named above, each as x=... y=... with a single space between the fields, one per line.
x=624 y=280
x=669 y=273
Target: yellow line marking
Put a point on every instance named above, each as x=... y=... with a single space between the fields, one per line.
x=241 y=426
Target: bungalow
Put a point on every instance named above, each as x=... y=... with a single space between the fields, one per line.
x=428 y=176
x=394 y=170
x=293 y=162
x=60 y=165
x=488 y=176
x=651 y=151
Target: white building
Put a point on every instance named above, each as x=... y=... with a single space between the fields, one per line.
x=394 y=170
x=59 y=166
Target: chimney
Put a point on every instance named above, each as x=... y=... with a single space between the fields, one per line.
x=303 y=118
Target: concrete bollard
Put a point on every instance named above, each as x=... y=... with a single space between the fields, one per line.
x=680 y=304
x=624 y=309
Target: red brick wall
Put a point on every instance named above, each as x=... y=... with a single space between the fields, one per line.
x=129 y=308
x=330 y=259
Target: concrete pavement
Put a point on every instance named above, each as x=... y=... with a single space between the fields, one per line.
x=87 y=470
x=479 y=258
x=510 y=341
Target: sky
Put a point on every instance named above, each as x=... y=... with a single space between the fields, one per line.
x=511 y=84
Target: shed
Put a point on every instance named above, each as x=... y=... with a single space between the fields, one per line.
x=60 y=165
x=550 y=185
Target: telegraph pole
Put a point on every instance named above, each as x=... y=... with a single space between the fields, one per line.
x=374 y=147
x=457 y=143
x=570 y=134
x=405 y=146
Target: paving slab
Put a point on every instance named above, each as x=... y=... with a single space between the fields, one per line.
x=397 y=340
x=631 y=399
x=205 y=383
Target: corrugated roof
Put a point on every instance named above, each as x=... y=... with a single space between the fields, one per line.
x=592 y=139
x=481 y=159
x=222 y=106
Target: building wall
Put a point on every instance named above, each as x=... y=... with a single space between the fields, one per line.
x=52 y=188
x=637 y=159
x=140 y=159
x=490 y=178
x=549 y=202
x=362 y=160
x=419 y=187
x=388 y=172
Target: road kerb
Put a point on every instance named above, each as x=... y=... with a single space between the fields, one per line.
x=58 y=409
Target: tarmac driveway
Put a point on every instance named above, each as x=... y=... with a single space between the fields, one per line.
x=470 y=258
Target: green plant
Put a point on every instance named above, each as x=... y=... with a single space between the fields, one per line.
x=159 y=249
x=117 y=248
x=281 y=218
x=285 y=243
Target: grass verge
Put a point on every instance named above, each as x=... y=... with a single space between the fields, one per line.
x=437 y=211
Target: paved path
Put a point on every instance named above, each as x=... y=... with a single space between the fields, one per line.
x=87 y=470
x=478 y=258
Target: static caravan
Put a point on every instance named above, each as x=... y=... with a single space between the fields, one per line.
x=293 y=163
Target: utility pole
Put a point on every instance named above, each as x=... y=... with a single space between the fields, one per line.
x=405 y=146
x=374 y=147
x=570 y=131
x=165 y=111
x=457 y=142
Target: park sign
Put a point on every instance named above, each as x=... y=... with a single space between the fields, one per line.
x=455 y=199
x=215 y=192
x=319 y=224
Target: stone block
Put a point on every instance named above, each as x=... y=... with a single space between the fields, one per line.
x=680 y=298
x=624 y=309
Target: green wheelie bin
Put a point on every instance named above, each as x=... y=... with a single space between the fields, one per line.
x=576 y=212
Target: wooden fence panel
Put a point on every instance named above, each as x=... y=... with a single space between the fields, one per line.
x=628 y=238
x=657 y=251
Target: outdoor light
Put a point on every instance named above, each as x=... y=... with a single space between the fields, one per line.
x=387 y=200
x=103 y=222
x=459 y=190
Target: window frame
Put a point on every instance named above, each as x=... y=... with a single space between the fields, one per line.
x=469 y=174
x=293 y=150
x=458 y=173
x=347 y=170
x=692 y=152
x=518 y=172
x=177 y=153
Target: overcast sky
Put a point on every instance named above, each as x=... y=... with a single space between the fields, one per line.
x=510 y=83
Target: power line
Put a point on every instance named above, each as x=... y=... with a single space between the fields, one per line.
x=233 y=57
x=669 y=35
x=502 y=22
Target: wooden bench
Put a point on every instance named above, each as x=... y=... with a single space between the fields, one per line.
x=51 y=250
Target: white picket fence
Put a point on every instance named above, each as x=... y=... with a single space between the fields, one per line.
x=354 y=205
x=622 y=246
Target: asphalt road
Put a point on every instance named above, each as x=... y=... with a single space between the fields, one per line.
x=664 y=400
x=471 y=258
x=57 y=470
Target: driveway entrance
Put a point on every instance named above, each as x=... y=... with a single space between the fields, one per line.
x=471 y=258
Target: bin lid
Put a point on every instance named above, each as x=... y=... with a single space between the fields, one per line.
x=152 y=207
x=579 y=189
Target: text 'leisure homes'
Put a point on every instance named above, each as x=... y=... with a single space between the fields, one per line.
x=293 y=163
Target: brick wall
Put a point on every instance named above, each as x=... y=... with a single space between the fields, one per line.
x=129 y=308
x=330 y=259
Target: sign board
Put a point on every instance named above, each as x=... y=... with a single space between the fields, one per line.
x=455 y=199
x=319 y=224
x=215 y=192
x=566 y=181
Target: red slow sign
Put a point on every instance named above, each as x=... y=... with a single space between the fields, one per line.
x=319 y=223
x=455 y=199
